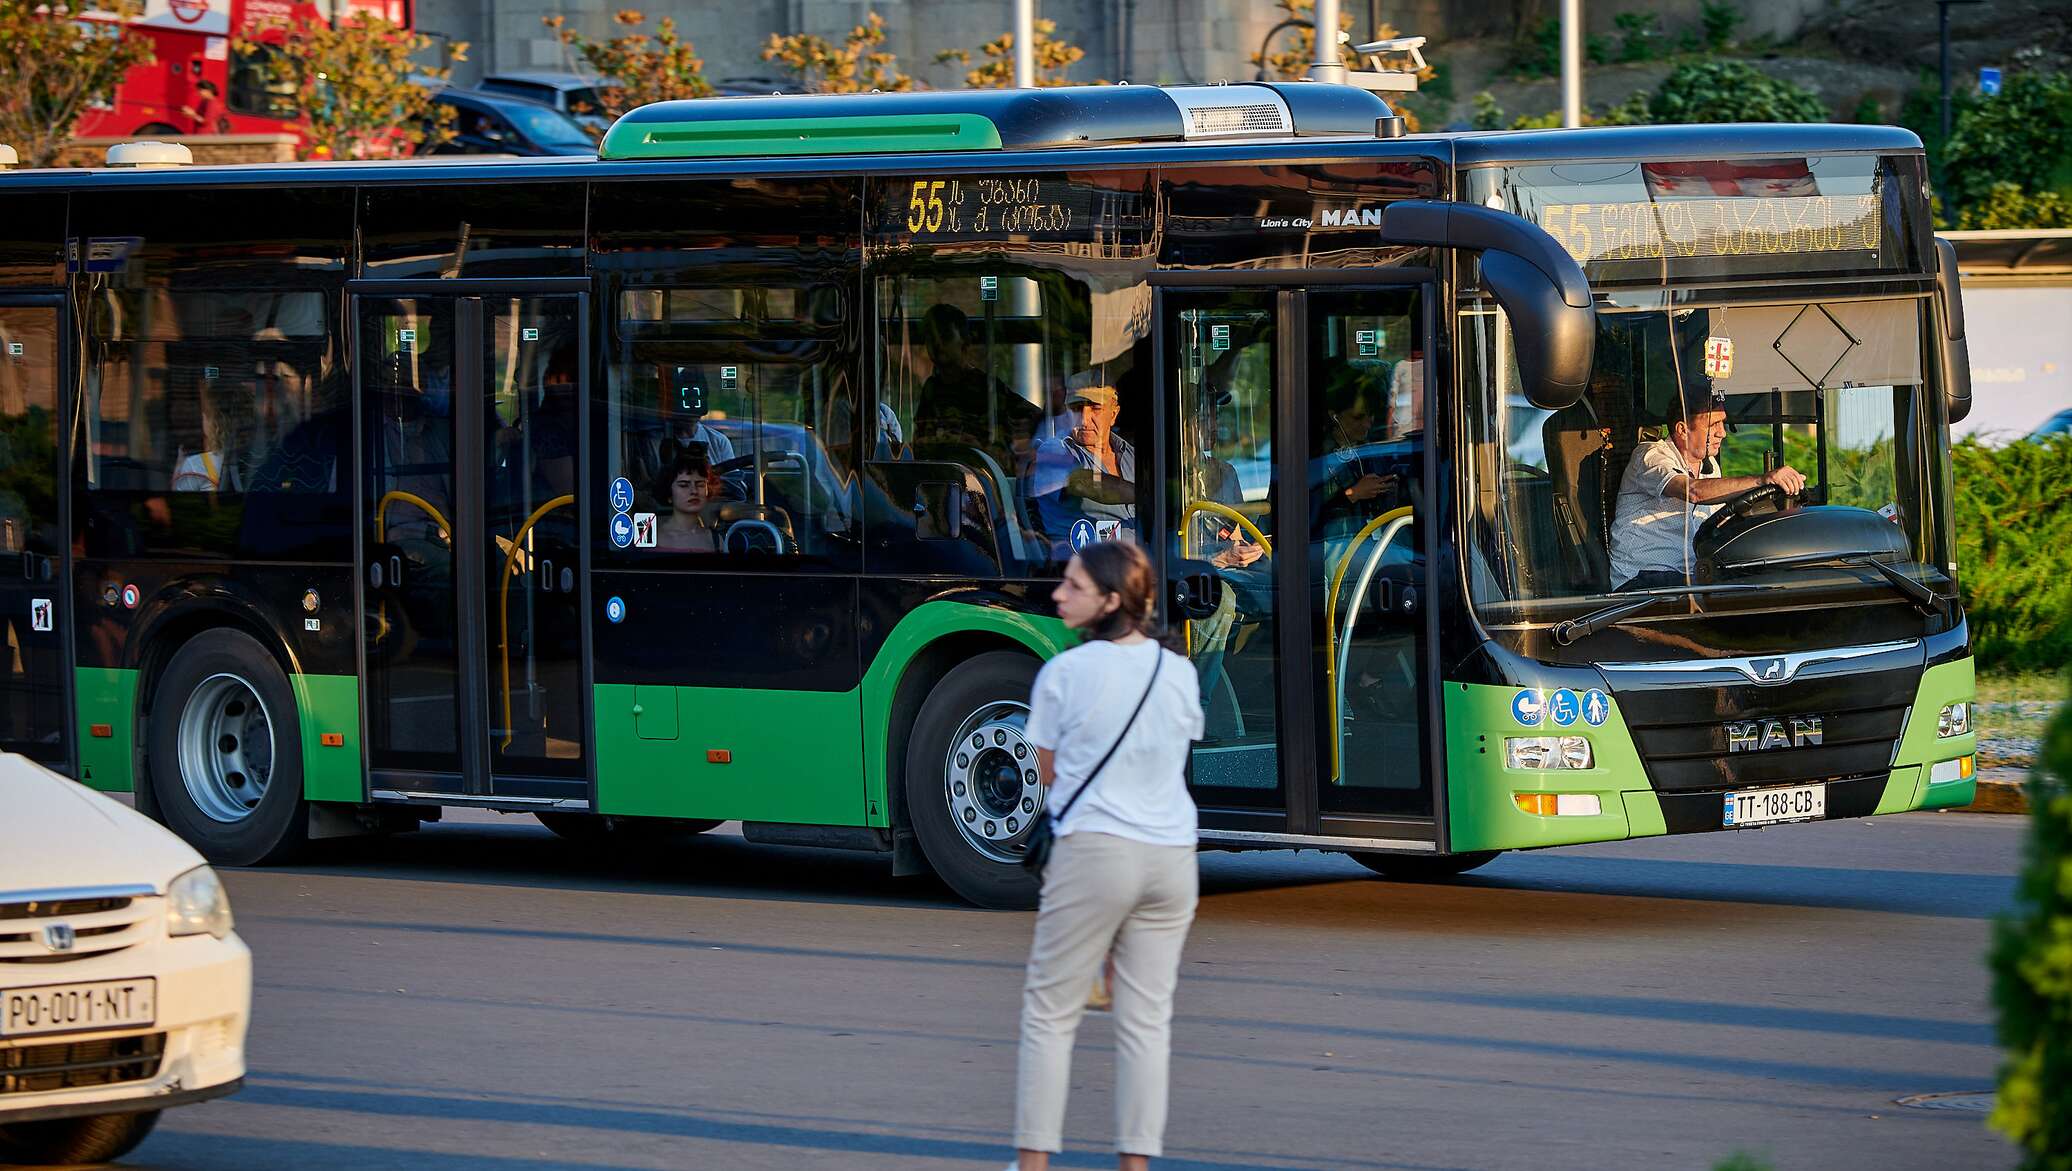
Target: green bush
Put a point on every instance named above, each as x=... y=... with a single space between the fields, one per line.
x=2021 y=136
x=1717 y=22
x=2031 y=962
x=2013 y=512
x=1731 y=91
x=2006 y=205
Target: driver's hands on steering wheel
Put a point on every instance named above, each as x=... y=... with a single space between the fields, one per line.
x=1787 y=478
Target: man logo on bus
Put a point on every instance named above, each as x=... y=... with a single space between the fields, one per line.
x=1768 y=670
x=1348 y=217
x=1763 y=735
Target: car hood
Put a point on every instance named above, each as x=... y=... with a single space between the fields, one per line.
x=56 y=834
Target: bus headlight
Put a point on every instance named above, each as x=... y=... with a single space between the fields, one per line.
x=1540 y=752
x=1955 y=720
x=197 y=904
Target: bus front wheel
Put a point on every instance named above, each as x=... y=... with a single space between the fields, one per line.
x=225 y=750
x=971 y=786
x=1424 y=867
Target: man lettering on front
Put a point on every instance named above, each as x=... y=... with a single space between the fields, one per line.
x=1670 y=487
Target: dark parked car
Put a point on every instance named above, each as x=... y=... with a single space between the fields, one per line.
x=2058 y=424
x=487 y=123
x=571 y=93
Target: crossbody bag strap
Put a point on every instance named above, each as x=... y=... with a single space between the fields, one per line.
x=1059 y=816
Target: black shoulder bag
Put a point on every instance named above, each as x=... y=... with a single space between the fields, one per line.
x=1044 y=836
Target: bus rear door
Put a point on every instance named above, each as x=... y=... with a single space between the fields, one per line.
x=33 y=609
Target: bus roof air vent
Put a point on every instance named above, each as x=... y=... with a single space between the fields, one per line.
x=1227 y=111
x=975 y=120
x=149 y=154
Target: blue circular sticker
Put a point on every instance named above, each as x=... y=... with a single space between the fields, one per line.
x=1082 y=533
x=622 y=494
x=622 y=530
x=1528 y=707
x=1564 y=707
x=1597 y=708
x=615 y=609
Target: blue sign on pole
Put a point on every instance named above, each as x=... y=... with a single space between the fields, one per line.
x=1989 y=82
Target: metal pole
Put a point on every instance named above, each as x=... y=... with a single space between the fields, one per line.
x=1571 y=62
x=1024 y=44
x=1327 y=67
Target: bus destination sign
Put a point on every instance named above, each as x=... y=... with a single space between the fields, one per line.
x=1718 y=227
x=1005 y=208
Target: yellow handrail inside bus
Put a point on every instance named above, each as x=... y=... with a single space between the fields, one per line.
x=388 y=498
x=503 y=602
x=1331 y=624
x=1223 y=510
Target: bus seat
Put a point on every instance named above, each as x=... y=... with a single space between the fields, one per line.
x=1577 y=446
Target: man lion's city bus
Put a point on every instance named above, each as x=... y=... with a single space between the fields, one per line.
x=725 y=476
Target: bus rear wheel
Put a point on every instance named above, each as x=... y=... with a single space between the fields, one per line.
x=225 y=751
x=1425 y=867
x=971 y=786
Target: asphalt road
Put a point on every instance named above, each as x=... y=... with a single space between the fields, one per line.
x=482 y=996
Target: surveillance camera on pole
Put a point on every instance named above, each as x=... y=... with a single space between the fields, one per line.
x=1380 y=74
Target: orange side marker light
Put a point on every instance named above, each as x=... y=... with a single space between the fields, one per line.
x=332 y=739
x=719 y=756
x=102 y=731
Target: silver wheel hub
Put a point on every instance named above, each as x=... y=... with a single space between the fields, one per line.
x=226 y=748
x=990 y=782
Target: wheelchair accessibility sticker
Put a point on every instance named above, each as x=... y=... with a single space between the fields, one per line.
x=1528 y=707
x=622 y=495
x=1563 y=706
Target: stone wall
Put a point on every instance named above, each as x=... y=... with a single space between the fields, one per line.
x=210 y=149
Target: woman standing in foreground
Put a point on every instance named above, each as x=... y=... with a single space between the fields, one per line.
x=1122 y=876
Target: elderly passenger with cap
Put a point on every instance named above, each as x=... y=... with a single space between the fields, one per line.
x=1082 y=487
x=1670 y=487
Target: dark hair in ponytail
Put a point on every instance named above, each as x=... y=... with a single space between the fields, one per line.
x=1121 y=568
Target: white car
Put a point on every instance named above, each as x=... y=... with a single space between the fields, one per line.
x=123 y=989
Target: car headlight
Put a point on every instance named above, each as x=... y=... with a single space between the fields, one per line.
x=1547 y=752
x=197 y=904
x=1955 y=720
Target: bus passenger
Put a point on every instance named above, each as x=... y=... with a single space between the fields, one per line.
x=227 y=423
x=1082 y=487
x=1670 y=487
x=1357 y=484
x=963 y=404
x=685 y=487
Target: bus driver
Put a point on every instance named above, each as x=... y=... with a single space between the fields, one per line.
x=1083 y=486
x=1670 y=487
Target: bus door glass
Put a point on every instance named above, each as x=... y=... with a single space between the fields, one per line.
x=473 y=583
x=32 y=658
x=1222 y=354
x=1365 y=366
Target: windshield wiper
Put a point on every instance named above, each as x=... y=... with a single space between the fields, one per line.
x=1920 y=593
x=1569 y=632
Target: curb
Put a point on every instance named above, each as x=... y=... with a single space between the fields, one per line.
x=2000 y=792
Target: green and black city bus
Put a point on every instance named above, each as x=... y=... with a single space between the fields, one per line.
x=724 y=476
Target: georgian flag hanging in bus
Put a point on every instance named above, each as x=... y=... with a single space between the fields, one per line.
x=1765 y=178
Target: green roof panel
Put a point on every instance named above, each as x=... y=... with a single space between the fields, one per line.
x=712 y=138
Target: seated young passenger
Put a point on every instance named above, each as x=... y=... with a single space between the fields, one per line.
x=1082 y=488
x=226 y=438
x=687 y=486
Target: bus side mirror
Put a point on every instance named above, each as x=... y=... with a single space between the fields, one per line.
x=1540 y=286
x=1956 y=351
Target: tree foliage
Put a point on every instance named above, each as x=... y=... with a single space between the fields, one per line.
x=635 y=68
x=2006 y=205
x=2031 y=963
x=2022 y=136
x=356 y=85
x=53 y=66
x=1731 y=91
x=860 y=64
x=1053 y=58
x=2014 y=551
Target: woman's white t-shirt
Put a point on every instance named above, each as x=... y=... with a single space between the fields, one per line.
x=1080 y=703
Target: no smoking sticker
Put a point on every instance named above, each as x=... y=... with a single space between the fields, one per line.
x=39 y=614
x=1719 y=357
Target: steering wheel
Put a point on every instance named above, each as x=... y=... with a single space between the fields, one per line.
x=1737 y=506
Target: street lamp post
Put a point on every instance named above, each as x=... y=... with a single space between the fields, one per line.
x=1571 y=62
x=1942 y=18
x=1327 y=66
x=1024 y=44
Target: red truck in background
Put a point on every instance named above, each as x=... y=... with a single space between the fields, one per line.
x=198 y=82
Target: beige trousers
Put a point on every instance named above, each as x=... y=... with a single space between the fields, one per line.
x=1104 y=894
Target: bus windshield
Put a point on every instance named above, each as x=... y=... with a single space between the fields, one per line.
x=1611 y=495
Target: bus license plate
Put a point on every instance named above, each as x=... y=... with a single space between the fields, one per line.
x=78 y=1008
x=1770 y=806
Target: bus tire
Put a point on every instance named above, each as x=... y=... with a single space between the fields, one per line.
x=97 y=1138
x=986 y=697
x=1425 y=867
x=225 y=751
x=591 y=829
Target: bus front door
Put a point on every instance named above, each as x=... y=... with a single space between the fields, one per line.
x=32 y=648
x=1294 y=429
x=470 y=416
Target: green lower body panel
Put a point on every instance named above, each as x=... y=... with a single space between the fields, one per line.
x=1481 y=794
x=330 y=705
x=107 y=698
x=1938 y=782
x=786 y=756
